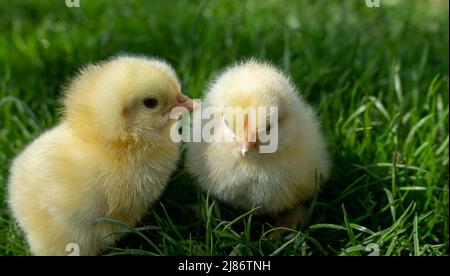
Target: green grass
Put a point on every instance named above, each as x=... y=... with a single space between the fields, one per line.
x=377 y=76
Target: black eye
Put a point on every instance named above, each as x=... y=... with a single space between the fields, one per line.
x=150 y=102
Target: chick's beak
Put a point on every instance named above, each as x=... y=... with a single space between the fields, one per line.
x=185 y=101
x=246 y=147
x=248 y=143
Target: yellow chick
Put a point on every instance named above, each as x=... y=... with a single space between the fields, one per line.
x=237 y=172
x=110 y=157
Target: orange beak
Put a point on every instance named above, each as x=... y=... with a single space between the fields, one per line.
x=249 y=141
x=246 y=147
x=185 y=101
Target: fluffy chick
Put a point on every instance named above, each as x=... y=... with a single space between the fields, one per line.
x=236 y=172
x=110 y=157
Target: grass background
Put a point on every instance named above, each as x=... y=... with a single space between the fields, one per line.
x=377 y=76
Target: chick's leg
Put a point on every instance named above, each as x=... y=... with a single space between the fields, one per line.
x=293 y=219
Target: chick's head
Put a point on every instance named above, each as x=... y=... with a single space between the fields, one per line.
x=251 y=87
x=125 y=99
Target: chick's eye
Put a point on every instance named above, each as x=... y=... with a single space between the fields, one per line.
x=150 y=102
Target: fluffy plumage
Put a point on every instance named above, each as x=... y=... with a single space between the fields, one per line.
x=276 y=181
x=110 y=157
